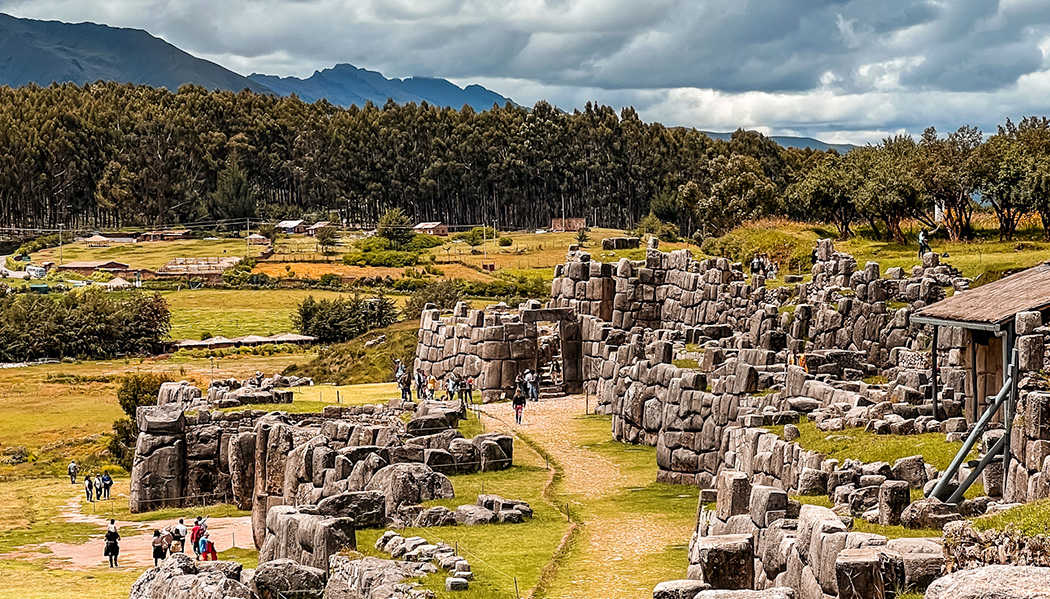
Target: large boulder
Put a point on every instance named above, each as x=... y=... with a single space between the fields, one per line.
x=929 y=513
x=679 y=589
x=436 y=516
x=284 y=577
x=367 y=508
x=474 y=514
x=409 y=484
x=725 y=561
x=993 y=582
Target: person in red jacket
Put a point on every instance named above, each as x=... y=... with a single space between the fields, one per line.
x=195 y=538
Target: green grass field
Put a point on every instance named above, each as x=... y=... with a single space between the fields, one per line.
x=150 y=255
x=236 y=312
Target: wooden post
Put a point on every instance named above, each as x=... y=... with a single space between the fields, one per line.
x=973 y=371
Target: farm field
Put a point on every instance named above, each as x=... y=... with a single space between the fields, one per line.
x=150 y=254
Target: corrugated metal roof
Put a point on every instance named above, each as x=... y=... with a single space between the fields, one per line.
x=996 y=302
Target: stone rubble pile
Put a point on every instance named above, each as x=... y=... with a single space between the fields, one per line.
x=417 y=549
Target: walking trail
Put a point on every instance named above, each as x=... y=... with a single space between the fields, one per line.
x=136 y=549
x=610 y=557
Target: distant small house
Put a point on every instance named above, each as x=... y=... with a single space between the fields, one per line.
x=120 y=237
x=86 y=268
x=568 y=225
x=312 y=230
x=291 y=227
x=256 y=239
x=439 y=229
x=165 y=235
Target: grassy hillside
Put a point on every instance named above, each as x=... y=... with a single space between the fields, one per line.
x=351 y=363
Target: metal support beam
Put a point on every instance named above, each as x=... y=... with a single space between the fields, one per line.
x=940 y=490
x=993 y=452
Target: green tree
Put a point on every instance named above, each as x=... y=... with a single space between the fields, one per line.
x=892 y=189
x=1003 y=172
x=327 y=237
x=827 y=192
x=582 y=237
x=136 y=390
x=652 y=225
x=233 y=197
x=733 y=192
x=395 y=226
x=946 y=169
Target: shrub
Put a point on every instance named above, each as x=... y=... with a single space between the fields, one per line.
x=423 y=241
x=330 y=279
x=477 y=235
x=651 y=225
x=505 y=242
x=390 y=258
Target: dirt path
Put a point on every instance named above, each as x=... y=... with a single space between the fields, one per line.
x=136 y=549
x=609 y=561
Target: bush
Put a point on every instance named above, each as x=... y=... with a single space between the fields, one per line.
x=477 y=235
x=444 y=294
x=651 y=225
x=390 y=258
x=505 y=242
x=423 y=241
x=330 y=279
x=139 y=389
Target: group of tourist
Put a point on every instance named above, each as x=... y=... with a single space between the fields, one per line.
x=96 y=488
x=761 y=264
x=455 y=385
x=166 y=541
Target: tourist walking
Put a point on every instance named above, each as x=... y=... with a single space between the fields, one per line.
x=404 y=382
x=466 y=390
x=532 y=381
x=89 y=488
x=72 y=469
x=159 y=550
x=207 y=549
x=924 y=245
x=179 y=535
x=98 y=488
x=421 y=384
x=107 y=482
x=450 y=387
x=195 y=537
x=519 y=405
x=112 y=550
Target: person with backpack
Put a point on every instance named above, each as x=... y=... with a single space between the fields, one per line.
x=404 y=382
x=160 y=551
x=72 y=469
x=179 y=534
x=107 y=483
x=112 y=550
x=89 y=488
x=98 y=488
x=519 y=405
x=207 y=549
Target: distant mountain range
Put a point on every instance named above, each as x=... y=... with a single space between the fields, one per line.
x=789 y=141
x=43 y=52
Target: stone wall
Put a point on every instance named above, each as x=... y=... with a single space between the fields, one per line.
x=491 y=346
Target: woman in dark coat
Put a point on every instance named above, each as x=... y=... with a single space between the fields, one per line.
x=112 y=544
x=160 y=551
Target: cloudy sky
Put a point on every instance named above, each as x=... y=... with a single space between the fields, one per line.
x=839 y=70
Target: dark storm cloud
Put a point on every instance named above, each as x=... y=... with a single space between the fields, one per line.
x=860 y=67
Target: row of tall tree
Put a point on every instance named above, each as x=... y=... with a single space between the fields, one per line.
x=936 y=180
x=110 y=155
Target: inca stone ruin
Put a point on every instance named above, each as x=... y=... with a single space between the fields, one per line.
x=855 y=347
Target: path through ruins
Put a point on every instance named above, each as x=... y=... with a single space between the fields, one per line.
x=136 y=550
x=610 y=559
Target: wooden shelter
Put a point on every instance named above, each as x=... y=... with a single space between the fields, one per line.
x=987 y=315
